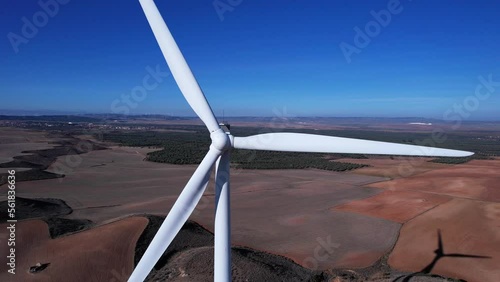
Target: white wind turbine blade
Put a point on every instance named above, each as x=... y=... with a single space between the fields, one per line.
x=178 y=66
x=300 y=142
x=180 y=212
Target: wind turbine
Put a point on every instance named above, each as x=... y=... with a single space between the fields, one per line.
x=219 y=154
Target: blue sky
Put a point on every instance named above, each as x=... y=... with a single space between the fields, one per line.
x=257 y=57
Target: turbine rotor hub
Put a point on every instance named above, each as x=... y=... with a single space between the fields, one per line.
x=221 y=140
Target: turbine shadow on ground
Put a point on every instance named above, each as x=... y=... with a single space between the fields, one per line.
x=426 y=271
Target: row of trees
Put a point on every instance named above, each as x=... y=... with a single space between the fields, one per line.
x=191 y=147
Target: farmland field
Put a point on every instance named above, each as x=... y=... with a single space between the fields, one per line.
x=361 y=213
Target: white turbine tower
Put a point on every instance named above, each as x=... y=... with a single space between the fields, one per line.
x=219 y=154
